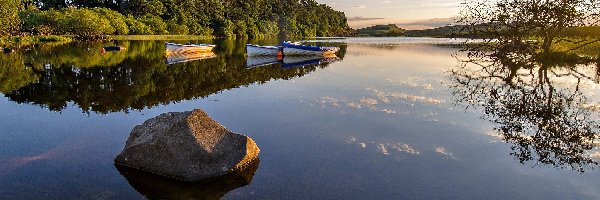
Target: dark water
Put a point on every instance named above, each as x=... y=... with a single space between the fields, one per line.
x=393 y=118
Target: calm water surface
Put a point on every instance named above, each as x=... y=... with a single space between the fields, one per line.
x=392 y=118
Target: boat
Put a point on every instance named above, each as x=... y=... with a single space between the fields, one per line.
x=173 y=47
x=113 y=48
x=260 y=61
x=297 y=49
x=257 y=50
x=7 y=50
x=173 y=58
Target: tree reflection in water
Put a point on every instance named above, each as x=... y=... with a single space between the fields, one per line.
x=545 y=122
x=135 y=79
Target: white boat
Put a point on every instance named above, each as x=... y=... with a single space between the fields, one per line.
x=256 y=50
x=180 y=48
x=296 y=49
x=172 y=58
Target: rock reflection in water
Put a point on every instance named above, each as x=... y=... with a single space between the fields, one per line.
x=544 y=122
x=152 y=186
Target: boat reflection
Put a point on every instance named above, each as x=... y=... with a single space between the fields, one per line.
x=173 y=58
x=137 y=79
x=289 y=61
x=261 y=61
x=300 y=61
x=540 y=107
x=152 y=186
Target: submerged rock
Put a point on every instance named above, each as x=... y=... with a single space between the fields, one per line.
x=188 y=146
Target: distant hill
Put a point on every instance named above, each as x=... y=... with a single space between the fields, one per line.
x=461 y=31
x=440 y=32
x=389 y=30
x=458 y=31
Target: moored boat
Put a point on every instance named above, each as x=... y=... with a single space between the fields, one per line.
x=173 y=47
x=113 y=48
x=296 y=49
x=257 y=50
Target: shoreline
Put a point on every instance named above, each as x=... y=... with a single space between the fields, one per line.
x=159 y=37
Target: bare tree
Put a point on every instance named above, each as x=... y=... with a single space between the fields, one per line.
x=519 y=23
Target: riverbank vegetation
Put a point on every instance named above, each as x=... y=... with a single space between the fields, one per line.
x=209 y=18
x=33 y=40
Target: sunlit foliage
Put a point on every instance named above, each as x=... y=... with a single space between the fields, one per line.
x=227 y=18
x=9 y=22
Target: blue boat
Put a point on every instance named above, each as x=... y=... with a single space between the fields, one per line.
x=297 y=49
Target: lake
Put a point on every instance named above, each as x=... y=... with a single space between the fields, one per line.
x=390 y=118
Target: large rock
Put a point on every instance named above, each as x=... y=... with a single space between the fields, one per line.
x=188 y=146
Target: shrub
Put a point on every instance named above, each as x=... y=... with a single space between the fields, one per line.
x=156 y=23
x=176 y=28
x=116 y=20
x=198 y=29
x=136 y=27
x=35 y=22
x=83 y=22
x=70 y=21
x=225 y=28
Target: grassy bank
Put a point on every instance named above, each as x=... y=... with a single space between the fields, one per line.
x=591 y=49
x=159 y=37
x=15 y=41
x=30 y=40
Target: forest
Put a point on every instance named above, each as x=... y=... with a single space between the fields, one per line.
x=211 y=18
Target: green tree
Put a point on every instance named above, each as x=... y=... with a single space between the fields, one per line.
x=156 y=23
x=10 y=21
x=136 y=27
x=177 y=29
x=116 y=19
x=221 y=18
x=82 y=22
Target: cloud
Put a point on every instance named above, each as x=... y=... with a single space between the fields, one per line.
x=360 y=6
x=386 y=2
x=363 y=18
x=362 y=22
x=440 y=4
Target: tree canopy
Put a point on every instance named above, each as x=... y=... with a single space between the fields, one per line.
x=9 y=22
x=534 y=23
x=221 y=18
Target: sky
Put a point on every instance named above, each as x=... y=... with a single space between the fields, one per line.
x=408 y=14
